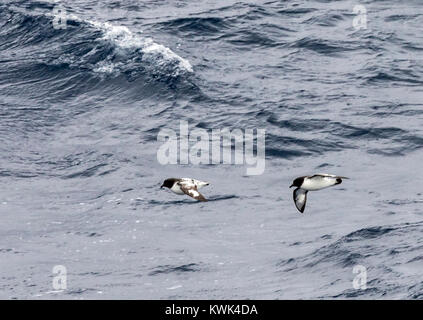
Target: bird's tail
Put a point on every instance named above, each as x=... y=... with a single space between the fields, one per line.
x=202 y=183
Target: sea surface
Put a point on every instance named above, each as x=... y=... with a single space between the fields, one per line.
x=86 y=86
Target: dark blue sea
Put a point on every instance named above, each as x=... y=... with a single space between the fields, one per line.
x=87 y=86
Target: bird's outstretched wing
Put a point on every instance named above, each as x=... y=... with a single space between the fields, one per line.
x=300 y=199
x=190 y=189
x=328 y=175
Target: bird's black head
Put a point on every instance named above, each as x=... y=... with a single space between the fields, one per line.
x=168 y=183
x=297 y=182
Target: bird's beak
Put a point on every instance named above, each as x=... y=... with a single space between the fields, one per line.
x=291 y=186
x=162 y=186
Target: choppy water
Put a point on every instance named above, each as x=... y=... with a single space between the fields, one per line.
x=81 y=108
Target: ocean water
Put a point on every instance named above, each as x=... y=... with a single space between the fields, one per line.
x=82 y=103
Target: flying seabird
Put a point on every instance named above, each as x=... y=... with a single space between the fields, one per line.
x=312 y=183
x=186 y=186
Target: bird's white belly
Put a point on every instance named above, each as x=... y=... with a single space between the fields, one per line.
x=176 y=189
x=318 y=183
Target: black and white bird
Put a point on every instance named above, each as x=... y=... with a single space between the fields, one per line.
x=312 y=183
x=186 y=186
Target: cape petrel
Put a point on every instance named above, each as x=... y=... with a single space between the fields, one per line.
x=312 y=183
x=186 y=186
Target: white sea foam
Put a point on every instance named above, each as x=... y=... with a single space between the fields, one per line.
x=123 y=38
x=105 y=67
